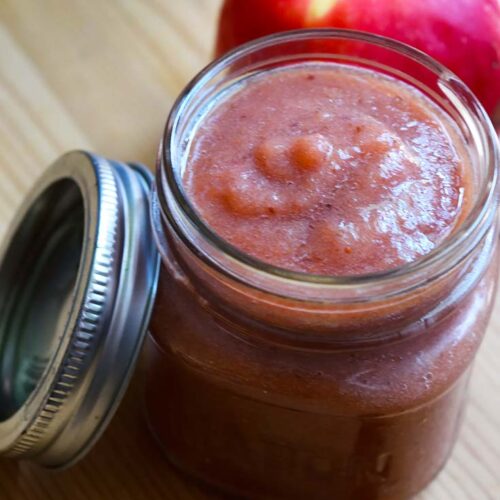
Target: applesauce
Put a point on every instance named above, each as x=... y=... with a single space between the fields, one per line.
x=329 y=244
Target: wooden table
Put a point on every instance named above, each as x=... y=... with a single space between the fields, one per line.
x=101 y=75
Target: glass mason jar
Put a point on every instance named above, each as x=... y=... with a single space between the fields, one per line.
x=276 y=384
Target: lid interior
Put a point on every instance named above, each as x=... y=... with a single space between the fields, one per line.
x=37 y=282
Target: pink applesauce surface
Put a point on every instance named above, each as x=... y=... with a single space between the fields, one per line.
x=328 y=169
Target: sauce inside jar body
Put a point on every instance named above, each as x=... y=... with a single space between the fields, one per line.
x=328 y=170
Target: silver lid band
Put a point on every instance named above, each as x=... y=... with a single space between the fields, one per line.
x=78 y=276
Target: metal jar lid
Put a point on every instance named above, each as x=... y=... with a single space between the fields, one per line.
x=78 y=275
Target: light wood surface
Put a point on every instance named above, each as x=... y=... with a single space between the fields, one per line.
x=101 y=75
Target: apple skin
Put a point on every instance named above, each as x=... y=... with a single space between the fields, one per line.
x=464 y=35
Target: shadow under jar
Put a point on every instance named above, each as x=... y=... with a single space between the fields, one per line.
x=270 y=383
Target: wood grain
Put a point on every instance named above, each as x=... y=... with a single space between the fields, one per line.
x=101 y=75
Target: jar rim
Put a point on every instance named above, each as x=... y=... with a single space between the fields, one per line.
x=471 y=229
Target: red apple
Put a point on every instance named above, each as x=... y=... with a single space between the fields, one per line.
x=464 y=35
